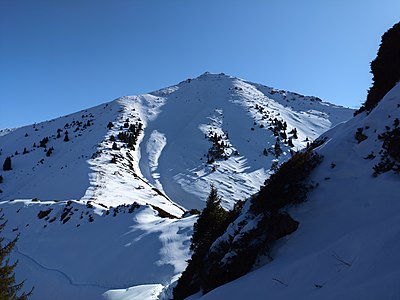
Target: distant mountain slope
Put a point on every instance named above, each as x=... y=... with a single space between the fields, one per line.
x=346 y=245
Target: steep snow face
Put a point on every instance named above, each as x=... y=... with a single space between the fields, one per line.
x=347 y=245
x=178 y=143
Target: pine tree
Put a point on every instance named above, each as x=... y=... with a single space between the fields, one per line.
x=7 y=164
x=290 y=143
x=294 y=133
x=277 y=149
x=209 y=226
x=49 y=152
x=114 y=146
x=9 y=289
x=66 y=138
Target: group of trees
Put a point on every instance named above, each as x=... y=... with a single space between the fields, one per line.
x=217 y=261
x=217 y=150
x=129 y=136
x=390 y=153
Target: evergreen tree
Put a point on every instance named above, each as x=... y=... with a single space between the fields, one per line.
x=49 y=152
x=66 y=138
x=7 y=164
x=114 y=146
x=385 y=68
x=294 y=133
x=209 y=226
x=277 y=149
x=9 y=289
x=290 y=143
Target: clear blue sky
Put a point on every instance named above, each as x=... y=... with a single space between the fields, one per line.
x=61 y=56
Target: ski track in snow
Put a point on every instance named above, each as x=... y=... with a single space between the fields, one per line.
x=65 y=275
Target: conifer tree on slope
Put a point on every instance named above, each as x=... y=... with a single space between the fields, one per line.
x=210 y=225
x=7 y=164
x=9 y=289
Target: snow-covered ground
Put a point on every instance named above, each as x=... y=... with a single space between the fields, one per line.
x=347 y=245
x=89 y=252
x=114 y=225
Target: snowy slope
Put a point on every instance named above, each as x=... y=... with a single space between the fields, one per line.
x=347 y=245
x=67 y=250
x=103 y=221
x=175 y=159
x=170 y=151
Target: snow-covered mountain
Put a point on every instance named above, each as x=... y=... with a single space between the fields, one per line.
x=176 y=131
x=100 y=197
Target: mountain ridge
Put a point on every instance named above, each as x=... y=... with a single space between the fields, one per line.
x=216 y=102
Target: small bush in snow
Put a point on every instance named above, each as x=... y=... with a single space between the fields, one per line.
x=360 y=136
x=44 y=213
x=390 y=153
